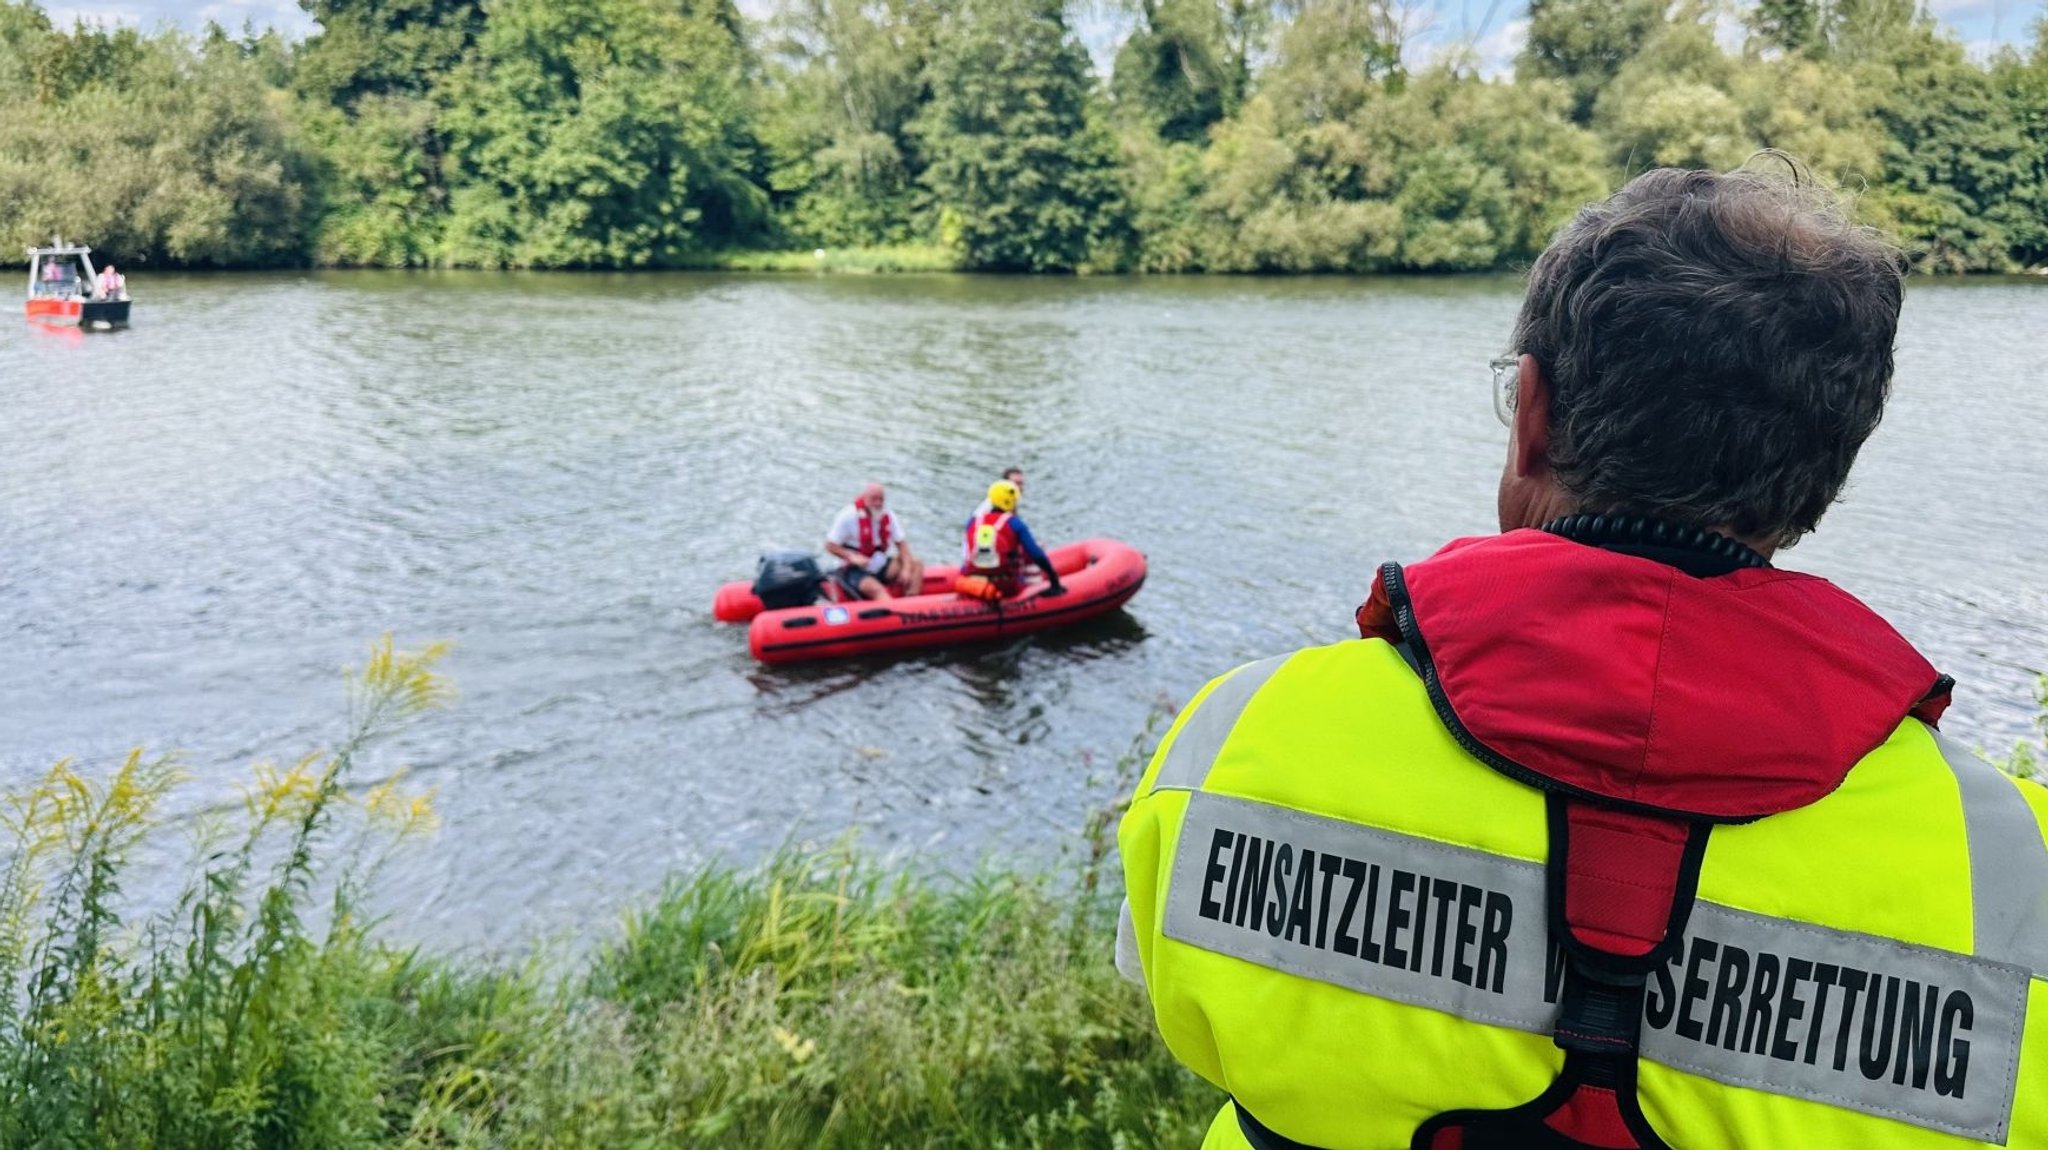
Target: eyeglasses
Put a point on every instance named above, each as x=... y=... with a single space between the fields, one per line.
x=1507 y=374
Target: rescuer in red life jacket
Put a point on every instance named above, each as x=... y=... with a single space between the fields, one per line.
x=861 y=537
x=998 y=543
x=1606 y=831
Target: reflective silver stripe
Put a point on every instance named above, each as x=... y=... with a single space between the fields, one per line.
x=1201 y=738
x=1869 y=1024
x=1391 y=915
x=2008 y=863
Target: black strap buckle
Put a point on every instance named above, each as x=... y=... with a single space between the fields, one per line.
x=1600 y=1015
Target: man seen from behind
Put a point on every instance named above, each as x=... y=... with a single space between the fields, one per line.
x=998 y=543
x=1607 y=831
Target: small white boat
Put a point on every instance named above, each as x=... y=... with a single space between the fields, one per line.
x=64 y=289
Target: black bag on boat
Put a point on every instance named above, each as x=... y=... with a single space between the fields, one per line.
x=788 y=579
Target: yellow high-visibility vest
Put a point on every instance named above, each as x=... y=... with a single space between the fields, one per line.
x=1340 y=916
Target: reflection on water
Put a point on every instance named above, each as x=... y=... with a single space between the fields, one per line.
x=206 y=516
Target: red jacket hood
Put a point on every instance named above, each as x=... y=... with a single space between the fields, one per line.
x=1622 y=678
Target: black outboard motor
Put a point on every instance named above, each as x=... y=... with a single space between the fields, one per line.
x=788 y=579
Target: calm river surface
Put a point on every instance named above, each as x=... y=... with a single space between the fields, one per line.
x=205 y=518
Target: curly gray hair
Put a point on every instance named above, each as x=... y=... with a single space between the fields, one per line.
x=1718 y=347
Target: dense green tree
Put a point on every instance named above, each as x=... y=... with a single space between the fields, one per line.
x=151 y=148
x=1020 y=165
x=383 y=181
x=1961 y=171
x=1231 y=135
x=1164 y=182
x=1682 y=101
x=1335 y=57
x=1820 y=115
x=23 y=29
x=90 y=57
x=373 y=48
x=1787 y=25
x=1671 y=104
x=1176 y=74
x=1505 y=155
x=369 y=77
x=1295 y=183
x=600 y=133
x=2023 y=82
x=846 y=78
x=1438 y=172
x=1874 y=29
x=1585 y=43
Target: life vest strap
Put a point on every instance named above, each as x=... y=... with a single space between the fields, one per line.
x=1622 y=885
x=1599 y=1016
x=1590 y=1106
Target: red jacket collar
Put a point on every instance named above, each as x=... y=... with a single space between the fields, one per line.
x=1620 y=678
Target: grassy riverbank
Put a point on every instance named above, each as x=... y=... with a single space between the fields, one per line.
x=816 y=1001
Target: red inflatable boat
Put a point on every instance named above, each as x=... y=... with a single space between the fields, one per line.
x=1100 y=575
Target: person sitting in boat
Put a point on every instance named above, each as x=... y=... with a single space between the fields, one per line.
x=113 y=285
x=58 y=278
x=1014 y=475
x=998 y=543
x=861 y=537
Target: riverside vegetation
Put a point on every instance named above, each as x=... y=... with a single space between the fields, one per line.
x=1225 y=135
x=815 y=1001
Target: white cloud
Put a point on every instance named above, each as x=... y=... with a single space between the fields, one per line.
x=99 y=15
x=1963 y=9
x=1984 y=48
x=1730 y=30
x=1489 y=32
x=1490 y=49
x=1497 y=49
x=284 y=15
x=1102 y=29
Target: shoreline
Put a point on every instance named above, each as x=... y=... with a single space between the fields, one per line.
x=912 y=260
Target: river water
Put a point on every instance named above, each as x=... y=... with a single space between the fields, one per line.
x=203 y=519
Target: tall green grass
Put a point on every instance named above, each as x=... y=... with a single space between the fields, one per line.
x=816 y=1001
x=2029 y=758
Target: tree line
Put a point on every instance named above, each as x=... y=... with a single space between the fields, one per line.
x=1227 y=136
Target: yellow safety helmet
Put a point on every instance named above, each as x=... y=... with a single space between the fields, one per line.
x=1002 y=495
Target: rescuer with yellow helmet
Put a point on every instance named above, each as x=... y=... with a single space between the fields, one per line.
x=998 y=543
x=1606 y=832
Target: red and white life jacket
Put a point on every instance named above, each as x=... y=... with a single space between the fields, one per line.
x=874 y=530
x=992 y=544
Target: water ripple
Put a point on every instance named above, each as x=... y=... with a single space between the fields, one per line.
x=207 y=516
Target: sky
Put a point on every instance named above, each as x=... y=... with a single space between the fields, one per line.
x=1496 y=28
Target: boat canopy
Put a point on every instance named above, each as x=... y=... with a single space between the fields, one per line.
x=61 y=270
x=59 y=248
